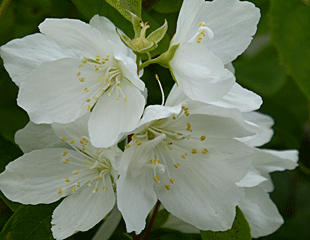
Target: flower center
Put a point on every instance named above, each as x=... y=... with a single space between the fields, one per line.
x=90 y=167
x=106 y=77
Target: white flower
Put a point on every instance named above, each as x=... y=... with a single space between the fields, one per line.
x=261 y=213
x=73 y=68
x=187 y=157
x=211 y=35
x=256 y=205
x=65 y=167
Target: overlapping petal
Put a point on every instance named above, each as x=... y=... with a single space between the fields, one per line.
x=82 y=210
x=200 y=74
x=232 y=22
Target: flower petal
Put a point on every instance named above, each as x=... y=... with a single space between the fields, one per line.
x=82 y=210
x=212 y=121
x=241 y=98
x=200 y=74
x=77 y=35
x=40 y=176
x=107 y=28
x=53 y=92
x=261 y=213
x=22 y=56
x=233 y=24
x=203 y=181
x=135 y=191
x=38 y=136
x=124 y=116
x=265 y=123
x=266 y=161
x=251 y=179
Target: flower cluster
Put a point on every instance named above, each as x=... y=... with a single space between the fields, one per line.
x=197 y=153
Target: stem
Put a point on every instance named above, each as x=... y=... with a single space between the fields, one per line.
x=3 y=7
x=149 y=227
x=135 y=237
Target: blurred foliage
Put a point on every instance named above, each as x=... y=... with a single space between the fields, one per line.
x=276 y=66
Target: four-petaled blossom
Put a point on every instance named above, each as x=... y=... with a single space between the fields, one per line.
x=211 y=35
x=185 y=156
x=256 y=205
x=73 y=68
x=60 y=161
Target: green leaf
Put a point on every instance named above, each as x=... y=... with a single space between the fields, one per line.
x=29 y=223
x=291 y=35
x=122 y=6
x=239 y=231
x=167 y=6
x=261 y=72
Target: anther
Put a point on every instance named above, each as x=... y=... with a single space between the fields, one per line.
x=156 y=179
x=119 y=84
x=88 y=184
x=98 y=178
x=102 y=90
x=64 y=153
x=78 y=74
x=194 y=151
x=127 y=146
x=82 y=79
x=134 y=136
x=63 y=139
x=172 y=181
x=205 y=151
x=88 y=108
x=173 y=117
x=59 y=191
x=118 y=97
x=176 y=165
x=87 y=100
x=95 y=190
x=73 y=189
x=202 y=138
x=126 y=100
x=86 y=90
x=71 y=141
x=188 y=124
x=167 y=187
x=138 y=142
x=84 y=61
x=66 y=161
x=81 y=65
x=67 y=179
x=78 y=184
x=75 y=172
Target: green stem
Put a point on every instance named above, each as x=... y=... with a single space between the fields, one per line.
x=3 y=7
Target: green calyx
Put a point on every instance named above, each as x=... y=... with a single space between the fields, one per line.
x=142 y=44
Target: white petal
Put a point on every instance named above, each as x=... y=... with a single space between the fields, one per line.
x=221 y=122
x=200 y=74
x=77 y=35
x=107 y=28
x=111 y=118
x=176 y=96
x=241 y=98
x=82 y=210
x=53 y=92
x=260 y=212
x=186 y=20
x=21 y=56
x=203 y=182
x=37 y=176
x=251 y=179
x=135 y=192
x=156 y=112
x=266 y=161
x=265 y=123
x=128 y=67
x=232 y=22
x=38 y=136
